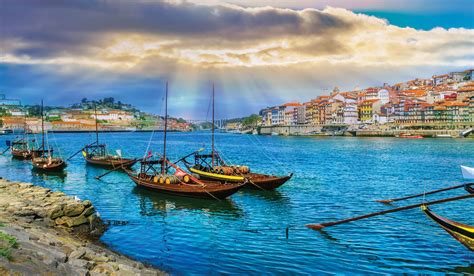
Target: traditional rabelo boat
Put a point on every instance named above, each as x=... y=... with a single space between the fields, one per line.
x=213 y=167
x=461 y=232
x=20 y=148
x=157 y=175
x=43 y=159
x=96 y=153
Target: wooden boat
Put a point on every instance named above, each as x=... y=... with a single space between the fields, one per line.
x=20 y=150
x=96 y=153
x=213 y=167
x=409 y=136
x=44 y=159
x=461 y=232
x=157 y=175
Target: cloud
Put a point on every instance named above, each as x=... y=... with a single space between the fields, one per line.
x=254 y=49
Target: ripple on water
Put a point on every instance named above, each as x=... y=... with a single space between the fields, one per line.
x=334 y=178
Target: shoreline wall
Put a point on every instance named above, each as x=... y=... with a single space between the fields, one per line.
x=49 y=233
x=342 y=131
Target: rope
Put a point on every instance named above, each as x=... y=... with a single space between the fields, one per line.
x=264 y=150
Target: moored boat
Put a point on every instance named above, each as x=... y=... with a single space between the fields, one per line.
x=213 y=167
x=158 y=176
x=20 y=150
x=43 y=159
x=96 y=154
x=409 y=136
x=461 y=232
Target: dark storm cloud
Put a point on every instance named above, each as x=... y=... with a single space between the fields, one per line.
x=51 y=26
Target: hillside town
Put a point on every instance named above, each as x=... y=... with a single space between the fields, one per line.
x=442 y=101
x=111 y=116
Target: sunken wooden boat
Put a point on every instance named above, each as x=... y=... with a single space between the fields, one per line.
x=96 y=155
x=213 y=167
x=461 y=232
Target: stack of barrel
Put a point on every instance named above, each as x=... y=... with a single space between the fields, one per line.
x=230 y=170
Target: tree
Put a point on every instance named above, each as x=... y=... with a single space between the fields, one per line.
x=84 y=100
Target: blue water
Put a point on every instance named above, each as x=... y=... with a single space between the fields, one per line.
x=334 y=178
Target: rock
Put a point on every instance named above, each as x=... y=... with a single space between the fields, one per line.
x=89 y=211
x=73 y=209
x=126 y=270
x=80 y=263
x=71 y=221
x=56 y=212
x=87 y=203
x=104 y=269
x=77 y=254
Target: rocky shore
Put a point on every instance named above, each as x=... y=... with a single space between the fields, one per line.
x=49 y=233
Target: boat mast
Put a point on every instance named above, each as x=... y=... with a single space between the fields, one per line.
x=163 y=165
x=212 y=154
x=42 y=127
x=96 y=127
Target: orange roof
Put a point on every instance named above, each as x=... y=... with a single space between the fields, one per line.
x=370 y=101
x=292 y=104
x=455 y=104
x=415 y=92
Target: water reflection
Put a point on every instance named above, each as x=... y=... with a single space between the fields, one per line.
x=153 y=204
x=49 y=176
x=275 y=195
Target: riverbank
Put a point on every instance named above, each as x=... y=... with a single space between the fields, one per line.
x=344 y=131
x=49 y=233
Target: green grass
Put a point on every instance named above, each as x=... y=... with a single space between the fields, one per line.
x=6 y=251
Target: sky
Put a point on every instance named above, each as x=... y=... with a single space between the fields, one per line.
x=257 y=53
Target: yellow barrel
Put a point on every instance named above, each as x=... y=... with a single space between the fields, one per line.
x=186 y=178
x=155 y=179
x=162 y=180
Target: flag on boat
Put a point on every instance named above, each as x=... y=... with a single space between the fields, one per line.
x=119 y=152
x=150 y=154
x=467 y=172
x=84 y=153
x=8 y=142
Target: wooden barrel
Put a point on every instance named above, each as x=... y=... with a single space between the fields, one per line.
x=156 y=178
x=186 y=178
x=227 y=170
x=162 y=180
x=171 y=179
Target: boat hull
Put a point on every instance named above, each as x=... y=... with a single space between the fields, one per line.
x=255 y=180
x=21 y=154
x=461 y=232
x=265 y=182
x=213 y=190
x=111 y=163
x=44 y=167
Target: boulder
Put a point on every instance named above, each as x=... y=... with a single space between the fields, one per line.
x=73 y=209
x=77 y=254
x=71 y=221
x=56 y=212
